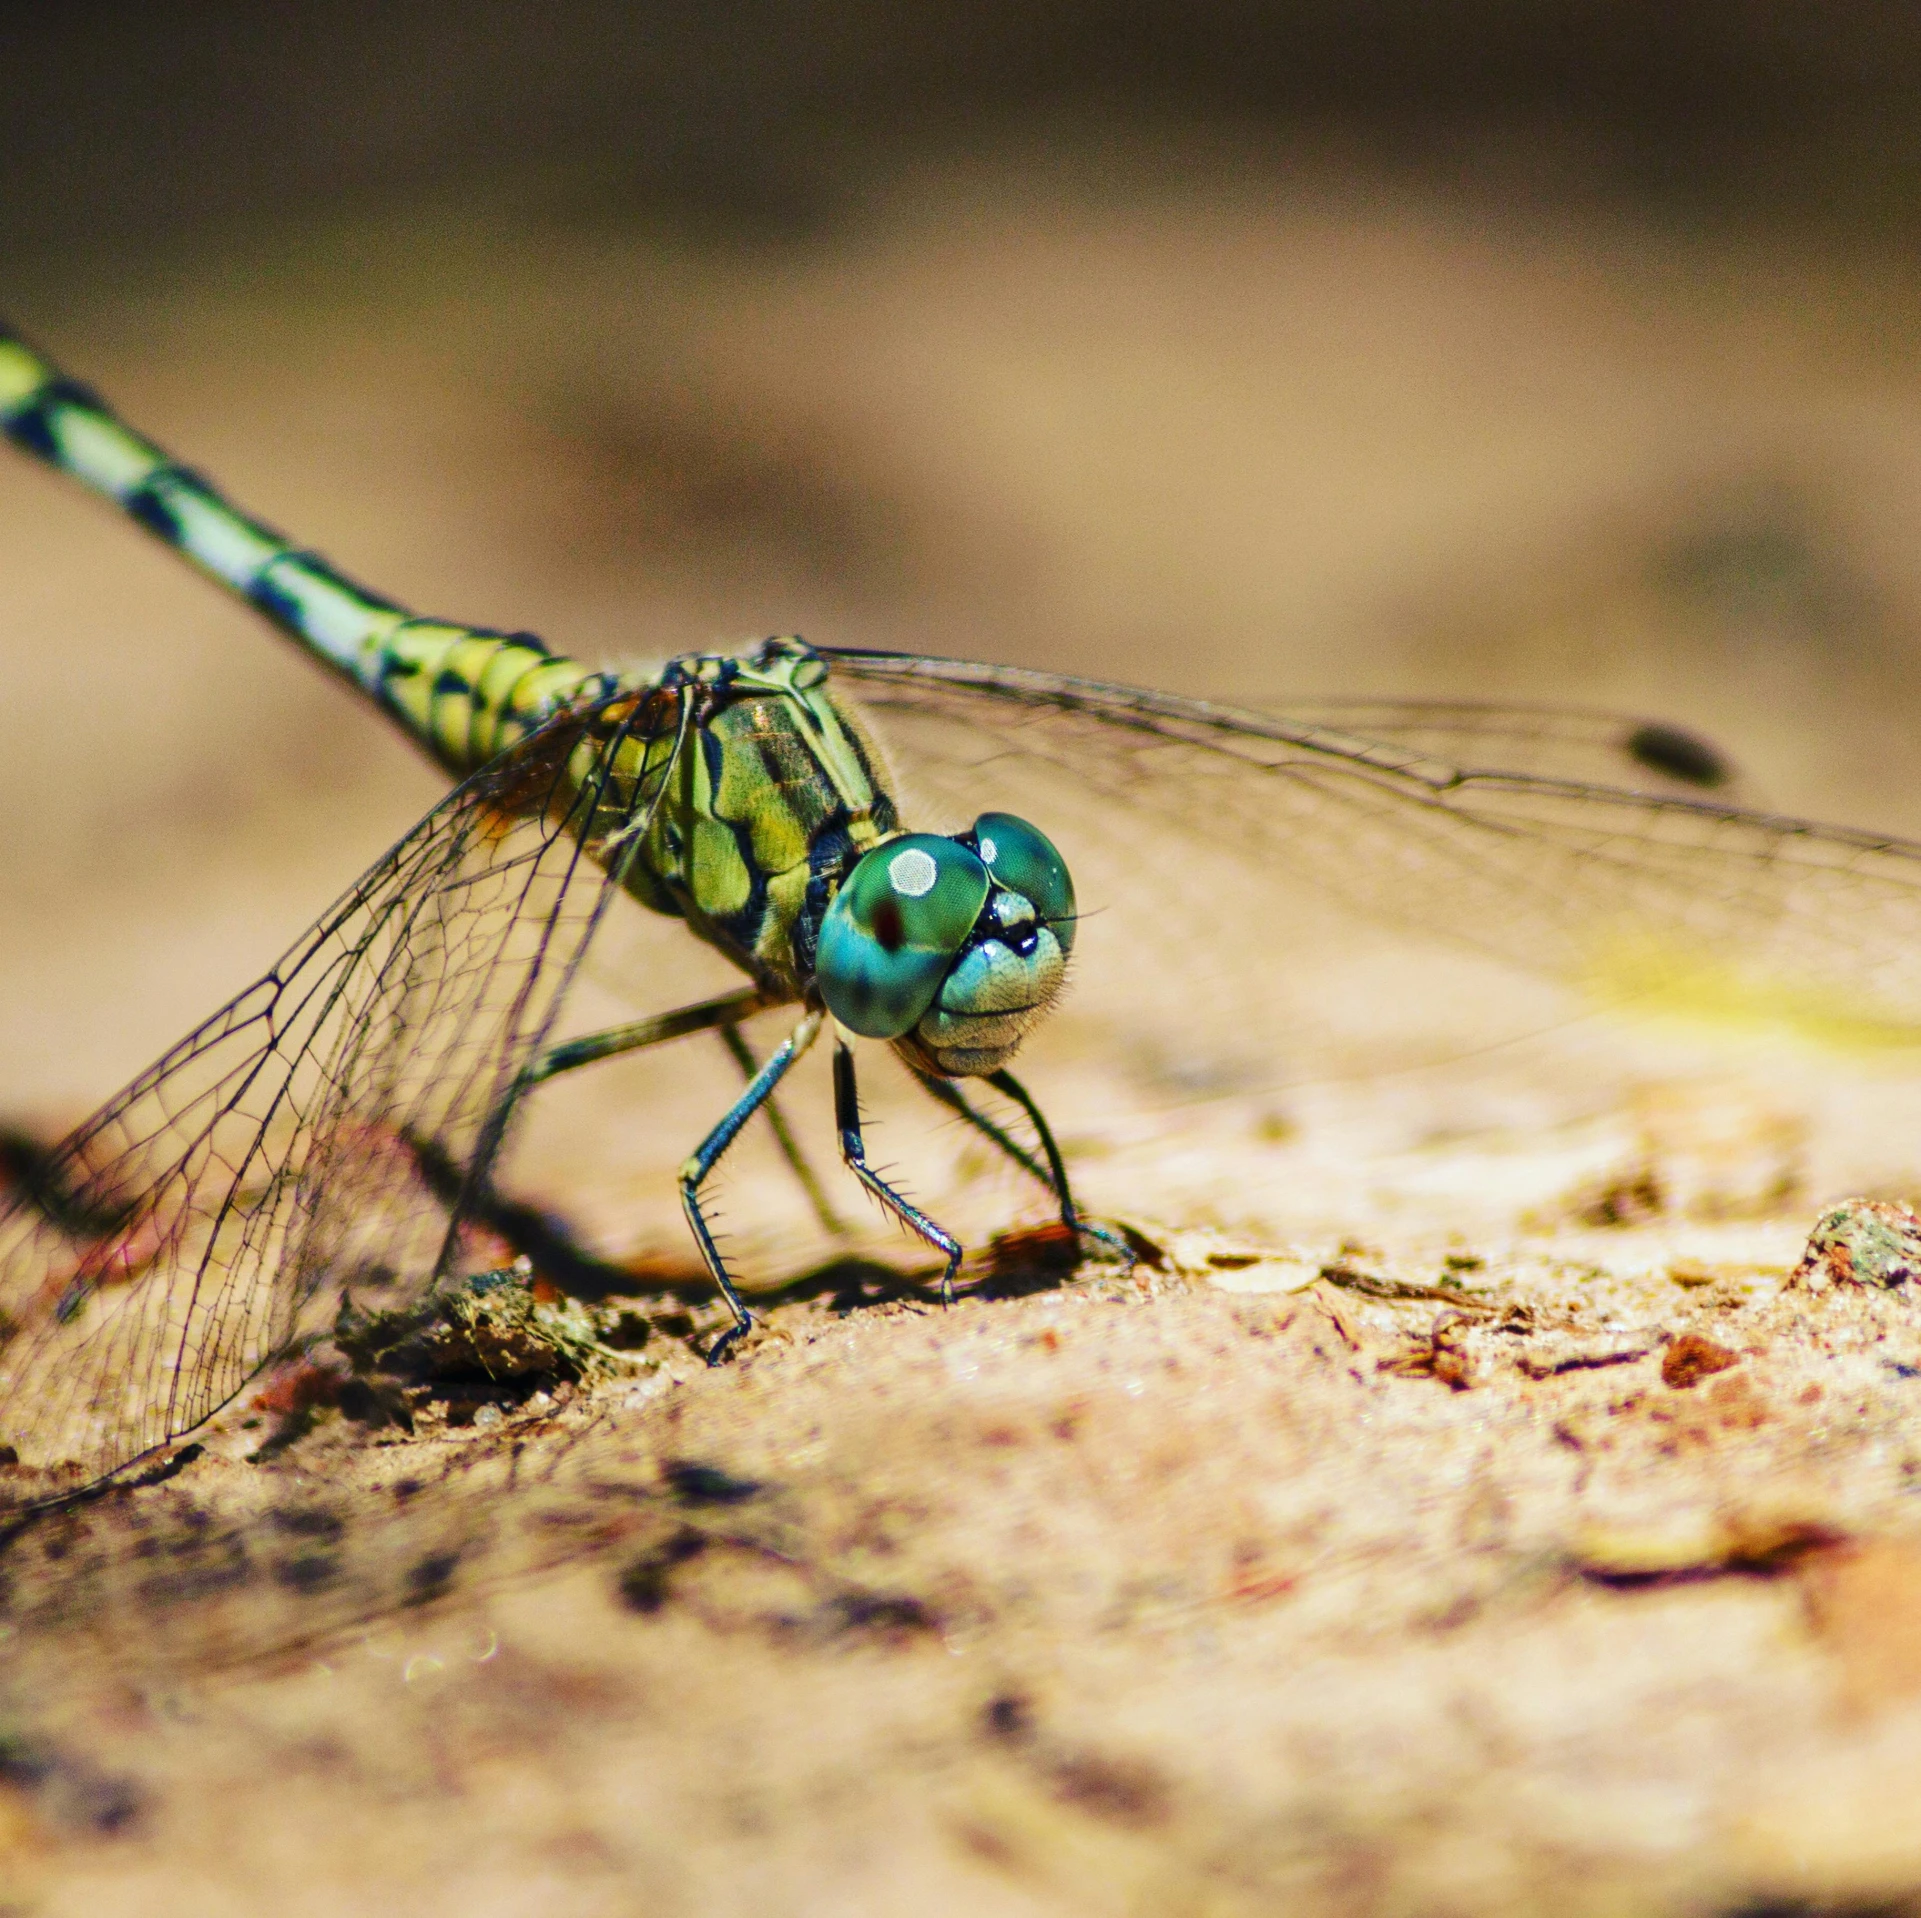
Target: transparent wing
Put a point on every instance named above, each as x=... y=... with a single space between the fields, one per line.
x=311 y=1137
x=1202 y=828
x=1584 y=746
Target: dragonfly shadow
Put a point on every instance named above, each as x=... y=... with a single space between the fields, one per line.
x=1018 y=1263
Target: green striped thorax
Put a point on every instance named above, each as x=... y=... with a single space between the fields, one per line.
x=954 y=948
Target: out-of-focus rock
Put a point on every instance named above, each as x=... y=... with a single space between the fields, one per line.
x=1861 y=1242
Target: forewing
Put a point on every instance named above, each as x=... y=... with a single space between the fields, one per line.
x=1564 y=743
x=310 y=1139
x=1202 y=836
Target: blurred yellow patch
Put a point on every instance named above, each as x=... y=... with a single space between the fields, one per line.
x=1657 y=979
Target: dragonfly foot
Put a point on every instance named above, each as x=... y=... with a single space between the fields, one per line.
x=723 y=1348
x=1109 y=1241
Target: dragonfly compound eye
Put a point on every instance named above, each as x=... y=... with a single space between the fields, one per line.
x=1023 y=859
x=894 y=929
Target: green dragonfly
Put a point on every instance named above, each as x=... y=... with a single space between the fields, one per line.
x=336 y=1126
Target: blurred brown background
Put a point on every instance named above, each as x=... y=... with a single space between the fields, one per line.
x=1553 y=352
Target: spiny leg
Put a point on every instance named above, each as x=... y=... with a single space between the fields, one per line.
x=743 y=1056
x=951 y=1096
x=1053 y=1175
x=694 y=1173
x=854 y=1151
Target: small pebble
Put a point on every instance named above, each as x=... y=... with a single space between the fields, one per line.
x=1691 y=1358
x=1861 y=1242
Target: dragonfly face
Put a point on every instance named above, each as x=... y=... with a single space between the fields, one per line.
x=954 y=948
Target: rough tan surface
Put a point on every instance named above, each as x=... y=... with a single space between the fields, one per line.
x=1219 y=1588
x=1140 y=1595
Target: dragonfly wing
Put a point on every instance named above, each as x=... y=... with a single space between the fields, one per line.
x=310 y=1139
x=1569 y=743
x=1178 y=807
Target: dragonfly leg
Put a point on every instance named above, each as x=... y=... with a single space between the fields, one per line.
x=694 y=1173
x=854 y=1151
x=743 y=1056
x=1052 y=1174
x=725 y=1011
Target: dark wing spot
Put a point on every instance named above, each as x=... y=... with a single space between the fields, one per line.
x=1680 y=755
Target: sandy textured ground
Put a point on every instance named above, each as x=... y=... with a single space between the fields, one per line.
x=1588 y=1585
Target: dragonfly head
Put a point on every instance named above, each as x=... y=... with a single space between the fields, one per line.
x=954 y=948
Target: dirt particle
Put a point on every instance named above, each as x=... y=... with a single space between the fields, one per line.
x=1439 y=1355
x=1692 y=1358
x=1551 y=1361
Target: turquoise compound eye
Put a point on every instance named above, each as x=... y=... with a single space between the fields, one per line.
x=1023 y=859
x=892 y=932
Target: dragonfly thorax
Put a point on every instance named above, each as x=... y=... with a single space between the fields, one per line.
x=759 y=812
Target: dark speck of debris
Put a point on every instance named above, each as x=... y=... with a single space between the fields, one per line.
x=1545 y=1365
x=307 y=1521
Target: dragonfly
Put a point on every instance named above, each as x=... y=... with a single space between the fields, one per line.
x=333 y=1130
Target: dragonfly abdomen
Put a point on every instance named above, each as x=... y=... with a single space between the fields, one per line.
x=465 y=693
